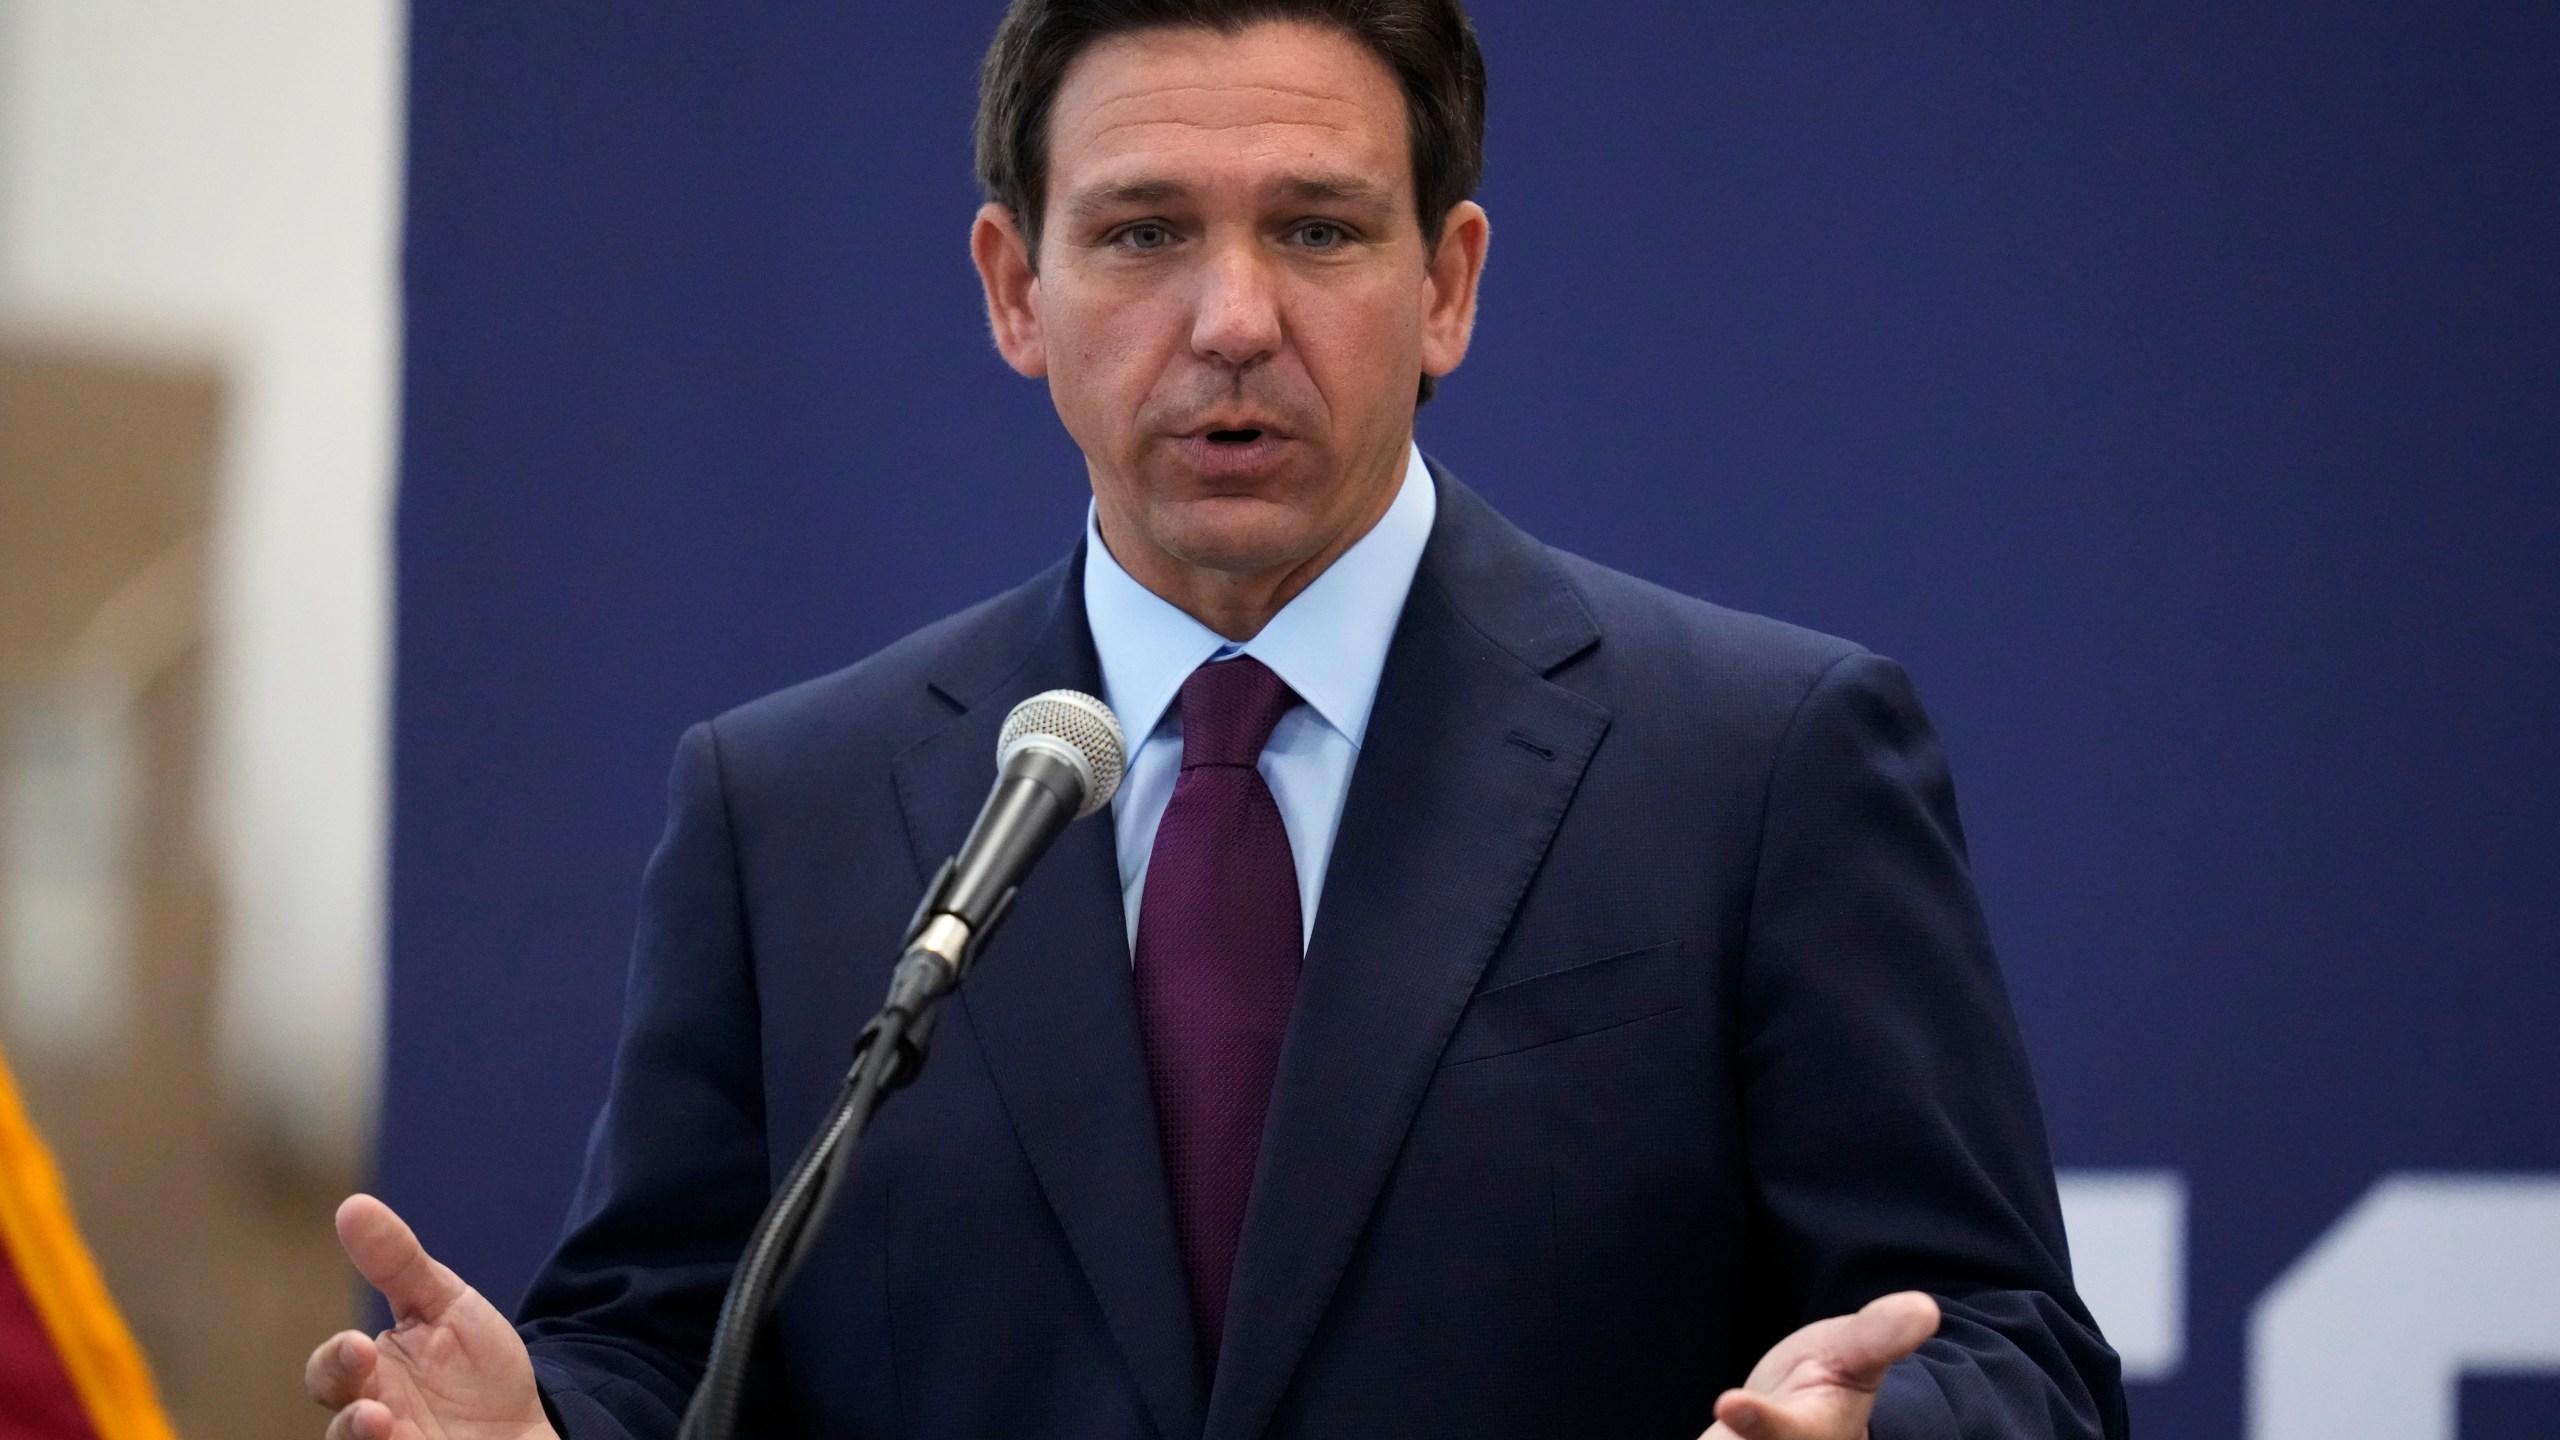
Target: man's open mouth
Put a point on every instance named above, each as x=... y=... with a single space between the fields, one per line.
x=1234 y=437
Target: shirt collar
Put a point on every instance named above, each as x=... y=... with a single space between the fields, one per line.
x=1329 y=643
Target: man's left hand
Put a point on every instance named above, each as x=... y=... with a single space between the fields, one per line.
x=1820 y=1383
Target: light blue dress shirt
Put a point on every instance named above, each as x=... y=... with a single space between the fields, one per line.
x=1329 y=644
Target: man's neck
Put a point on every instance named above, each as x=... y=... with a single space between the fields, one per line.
x=1233 y=603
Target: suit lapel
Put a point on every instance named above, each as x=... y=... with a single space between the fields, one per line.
x=1471 y=758
x=1056 y=1017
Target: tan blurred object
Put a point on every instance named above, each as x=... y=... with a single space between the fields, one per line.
x=218 y=1251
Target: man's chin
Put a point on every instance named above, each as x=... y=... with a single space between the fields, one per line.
x=1235 y=534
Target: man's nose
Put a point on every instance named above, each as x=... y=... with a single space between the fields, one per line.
x=1238 y=322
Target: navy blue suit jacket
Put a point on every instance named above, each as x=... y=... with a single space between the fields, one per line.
x=1649 y=1014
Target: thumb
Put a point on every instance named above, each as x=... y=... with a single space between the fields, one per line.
x=1890 y=1327
x=387 y=1253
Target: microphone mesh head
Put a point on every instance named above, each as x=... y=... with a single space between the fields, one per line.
x=1077 y=726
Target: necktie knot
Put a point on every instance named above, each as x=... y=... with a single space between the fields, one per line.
x=1229 y=708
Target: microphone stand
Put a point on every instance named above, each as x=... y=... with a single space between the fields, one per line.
x=887 y=1056
x=1045 y=779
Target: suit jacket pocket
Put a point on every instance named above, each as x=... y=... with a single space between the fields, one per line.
x=1587 y=998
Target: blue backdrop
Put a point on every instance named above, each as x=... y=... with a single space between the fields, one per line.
x=2173 y=386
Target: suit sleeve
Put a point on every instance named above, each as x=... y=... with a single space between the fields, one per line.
x=619 y=1320
x=1894 y=1134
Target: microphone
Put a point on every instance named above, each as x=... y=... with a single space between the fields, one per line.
x=1059 y=758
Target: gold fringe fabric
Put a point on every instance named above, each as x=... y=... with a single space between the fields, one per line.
x=63 y=1284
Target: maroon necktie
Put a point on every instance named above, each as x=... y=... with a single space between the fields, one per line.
x=1217 y=967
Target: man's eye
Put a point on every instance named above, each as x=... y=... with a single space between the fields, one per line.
x=1322 y=235
x=1146 y=237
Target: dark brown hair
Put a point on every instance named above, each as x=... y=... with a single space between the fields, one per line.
x=1427 y=43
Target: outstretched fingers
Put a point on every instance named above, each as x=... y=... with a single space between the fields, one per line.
x=387 y=1253
x=364 y=1420
x=340 y=1369
x=1752 y=1417
x=1865 y=1345
x=1820 y=1383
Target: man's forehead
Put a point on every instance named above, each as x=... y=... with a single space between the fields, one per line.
x=1275 y=98
x=1142 y=102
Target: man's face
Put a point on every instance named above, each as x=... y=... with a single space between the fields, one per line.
x=1233 y=302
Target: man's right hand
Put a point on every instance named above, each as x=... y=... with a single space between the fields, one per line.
x=449 y=1368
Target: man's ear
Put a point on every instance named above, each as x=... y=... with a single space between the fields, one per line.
x=1013 y=287
x=1449 y=313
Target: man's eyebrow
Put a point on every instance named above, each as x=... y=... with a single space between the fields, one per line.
x=1340 y=188
x=1321 y=188
x=1121 y=196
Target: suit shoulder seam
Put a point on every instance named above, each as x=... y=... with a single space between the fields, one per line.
x=1777 y=761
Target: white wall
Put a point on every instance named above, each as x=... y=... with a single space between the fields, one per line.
x=221 y=178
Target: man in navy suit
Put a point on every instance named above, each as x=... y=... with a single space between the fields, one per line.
x=1508 y=999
